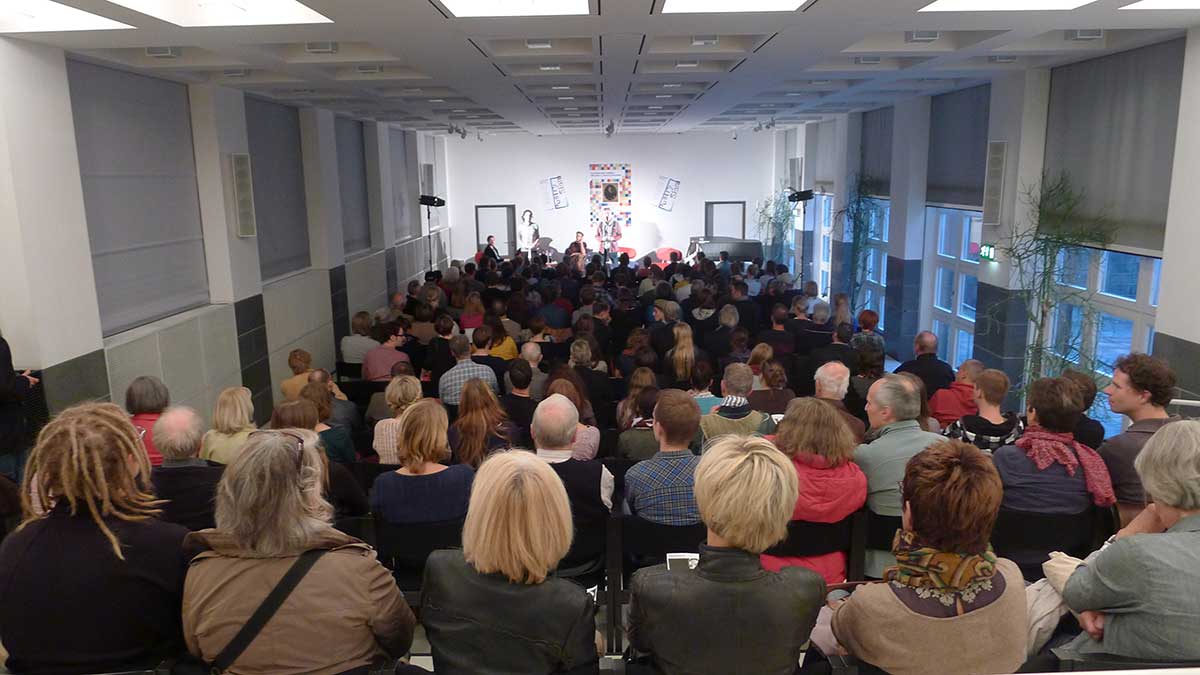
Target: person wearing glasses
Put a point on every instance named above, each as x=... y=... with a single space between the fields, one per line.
x=346 y=613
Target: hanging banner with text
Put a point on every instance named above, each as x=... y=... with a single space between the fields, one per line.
x=554 y=193
x=668 y=191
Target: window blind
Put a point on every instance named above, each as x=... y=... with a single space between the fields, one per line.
x=826 y=165
x=877 y=148
x=407 y=227
x=278 y=171
x=352 y=184
x=138 y=170
x=958 y=137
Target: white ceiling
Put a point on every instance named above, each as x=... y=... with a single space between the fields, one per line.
x=620 y=63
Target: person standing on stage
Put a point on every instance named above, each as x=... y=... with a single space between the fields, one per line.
x=527 y=233
x=608 y=231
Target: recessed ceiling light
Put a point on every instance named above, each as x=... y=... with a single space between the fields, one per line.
x=560 y=87
x=1164 y=4
x=662 y=96
x=36 y=16
x=725 y=6
x=1003 y=5
x=573 y=115
x=566 y=98
x=687 y=64
x=437 y=100
x=193 y=13
x=487 y=8
x=458 y=110
x=412 y=90
x=656 y=107
x=571 y=108
x=472 y=117
x=794 y=93
x=675 y=85
x=550 y=67
x=538 y=44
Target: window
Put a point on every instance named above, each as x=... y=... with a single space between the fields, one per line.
x=1150 y=340
x=942 y=331
x=352 y=184
x=872 y=273
x=1073 y=267
x=947 y=237
x=953 y=238
x=964 y=347
x=944 y=290
x=1119 y=274
x=972 y=231
x=967 y=297
x=1068 y=332
x=822 y=210
x=1100 y=411
x=824 y=282
x=273 y=132
x=407 y=227
x=1114 y=338
x=827 y=246
x=1155 y=281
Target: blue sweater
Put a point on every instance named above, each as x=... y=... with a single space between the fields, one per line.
x=430 y=498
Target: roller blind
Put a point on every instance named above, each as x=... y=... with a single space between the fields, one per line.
x=826 y=170
x=134 y=136
x=1111 y=128
x=407 y=227
x=958 y=137
x=877 y=147
x=278 y=171
x=352 y=183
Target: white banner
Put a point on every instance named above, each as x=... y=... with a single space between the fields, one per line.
x=668 y=190
x=554 y=193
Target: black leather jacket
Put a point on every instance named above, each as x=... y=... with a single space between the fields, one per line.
x=729 y=616
x=482 y=623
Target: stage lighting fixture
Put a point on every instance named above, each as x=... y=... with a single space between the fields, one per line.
x=430 y=200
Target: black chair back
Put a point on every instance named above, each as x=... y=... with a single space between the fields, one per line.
x=359 y=527
x=644 y=540
x=349 y=371
x=359 y=391
x=618 y=467
x=1028 y=538
x=1094 y=662
x=365 y=473
x=805 y=539
x=881 y=531
x=404 y=548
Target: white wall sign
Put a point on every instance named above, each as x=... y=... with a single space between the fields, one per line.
x=668 y=189
x=554 y=193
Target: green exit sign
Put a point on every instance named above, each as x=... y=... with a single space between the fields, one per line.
x=987 y=251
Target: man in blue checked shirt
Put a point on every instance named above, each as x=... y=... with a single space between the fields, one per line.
x=659 y=489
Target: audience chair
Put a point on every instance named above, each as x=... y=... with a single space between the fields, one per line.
x=348 y=371
x=365 y=473
x=1028 y=538
x=1094 y=662
x=608 y=444
x=618 y=467
x=405 y=548
x=359 y=391
x=881 y=530
x=360 y=527
x=805 y=539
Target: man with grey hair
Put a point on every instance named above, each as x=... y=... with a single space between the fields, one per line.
x=718 y=343
x=451 y=384
x=815 y=334
x=734 y=415
x=345 y=413
x=893 y=406
x=589 y=484
x=925 y=364
x=531 y=352
x=187 y=482
x=832 y=382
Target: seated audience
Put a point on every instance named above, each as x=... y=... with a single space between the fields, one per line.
x=701 y=389
x=659 y=488
x=949 y=605
x=341 y=489
x=749 y=311
x=423 y=490
x=739 y=348
x=952 y=403
x=356 y=345
x=988 y=429
x=232 y=424
x=347 y=613
x=926 y=420
x=1141 y=389
x=1046 y=470
x=519 y=403
x=531 y=353
x=1090 y=432
x=832 y=487
x=775 y=396
x=338 y=442
x=396 y=307
x=145 y=399
x=596 y=387
x=481 y=340
x=539 y=331
x=719 y=343
x=759 y=356
x=662 y=329
x=868 y=337
x=494 y=605
x=586 y=442
x=893 y=405
x=639 y=381
x=343 y=413
x=838 y=349
x=186 y=482
x=832 y=382
x=300 y=363
x=482 y=426
x=777 y=335
x=638 y=441
x=438 y=358
x=401 y=393
x=377 y=364
x=734 y=415
x=502 y=346
x=555 y=436
x=92 y=578
x=870 y=369
x=814 y=334
x=452 y=382
x=681 y=359
x=472 y=314
x=934 y=372
x=745 y=491
x=1136 y=597
x=423 y=329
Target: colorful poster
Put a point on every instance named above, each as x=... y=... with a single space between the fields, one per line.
x=668 y=190
x=554 y=193
x=611 y=194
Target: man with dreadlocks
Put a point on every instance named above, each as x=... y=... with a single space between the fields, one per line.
x=92 y=580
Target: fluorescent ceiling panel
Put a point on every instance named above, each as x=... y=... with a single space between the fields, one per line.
x=196 y=13
x=492 y=8
x=41 y=16
x=1164 y=4
x=1004 y=5
x=727 y=6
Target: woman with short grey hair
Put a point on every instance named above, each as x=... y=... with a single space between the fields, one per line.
x=1139 y=595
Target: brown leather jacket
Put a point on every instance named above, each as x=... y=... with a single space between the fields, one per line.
x=347 y=612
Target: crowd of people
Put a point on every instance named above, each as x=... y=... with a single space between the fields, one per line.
x=504 y=395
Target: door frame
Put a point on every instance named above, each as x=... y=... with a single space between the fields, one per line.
x=708 y=217
x=512 y=227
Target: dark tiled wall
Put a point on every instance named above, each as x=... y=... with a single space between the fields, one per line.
x=340 y=302
x=393 y=275
x=808 y=255
x=1184 y=358
x=83 y=378
x=901 y=319
x=252 y=351
x=838 y=269
x=1002 y=334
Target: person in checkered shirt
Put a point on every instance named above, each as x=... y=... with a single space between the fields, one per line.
x=659 y=489
x=451 y=385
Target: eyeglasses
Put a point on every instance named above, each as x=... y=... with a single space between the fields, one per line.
x=299 y=443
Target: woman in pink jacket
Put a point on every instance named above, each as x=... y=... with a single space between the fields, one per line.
x=832 y=487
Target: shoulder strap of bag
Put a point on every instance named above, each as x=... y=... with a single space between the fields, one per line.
x=266 y=610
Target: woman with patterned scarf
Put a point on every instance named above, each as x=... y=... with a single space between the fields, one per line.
x=949 y=605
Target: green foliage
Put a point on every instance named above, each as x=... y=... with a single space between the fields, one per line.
x=856 y=216
x=774 y=228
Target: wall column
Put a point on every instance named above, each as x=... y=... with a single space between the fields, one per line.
x=848 y=151
x=323 y=196
x=904 y=314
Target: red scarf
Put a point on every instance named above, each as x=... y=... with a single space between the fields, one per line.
x=1046 y=448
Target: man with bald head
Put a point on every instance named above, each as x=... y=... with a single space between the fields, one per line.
x=832 y=382
x=934 y=372
x=531 y=352
x=187 y=482
x=345 y=413
x=958 y=400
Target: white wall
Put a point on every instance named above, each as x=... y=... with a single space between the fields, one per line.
x=299 y=315
x=366 y=282
x=508 y=170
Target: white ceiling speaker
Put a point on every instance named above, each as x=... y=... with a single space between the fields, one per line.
x=243 y=195
x=236 y=72
x=323 y=47
x=706 y=40
x=539 y=44
x=867 y=60
x=369 y=70
x=164 y=52
x=687 y=64
x=1002 y=59
x=1084 y=34
x=922 y=36
x=549 y=67
x=993 y=182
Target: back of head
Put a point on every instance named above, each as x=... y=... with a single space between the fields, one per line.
x=1057 y=403
x=234 y=411
x=969 y=370
x=298 y=414
x=90 y=456
x=401 y=368
x=531 y=352
x=702 y=375
x=146 y=395
x=870 y=362
x=738 y=380
x=761 y=353
x=821 y=312
x=299 y=361
x=925 y=343
x=581 y=353
x=402 y=392
x=774 y=375
x=833 y=380
x=868 y=320
x=519 y=520
x=1169 y=465
x=1149 y=374
x=319 y=375
x=746 y=490
x=779 y=315
x=270 y=498
x=422 y=435
x=554 y=421
x=645 y=402
x=460 y=347
x=1085 y=384
x=178 y=433
x=361 y=323
x=320 y=397
x=901 y=395
x=812 y=426
x=843 y=332
x=676 y=413
x=520 y=373
x=953 y=492
x=993 y=385
x=728 y=316
x=444 y=326
x=481 y=338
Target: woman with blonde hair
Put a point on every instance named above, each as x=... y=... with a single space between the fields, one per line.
x=587 y=438
x=841 y=310
x=232 y=423
x=494 y=606
x=775 y=395
x=642 y=379
x=759 y=356
x=423 y=490
x=472 y=314
x=90 y=531
x=832 y=487
x=681 y=359
x=401 y=393
x=746 y=490
x=482 y=426
x=271 y=515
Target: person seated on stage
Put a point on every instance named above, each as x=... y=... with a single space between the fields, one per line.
x=490 y=251
x=577 y=247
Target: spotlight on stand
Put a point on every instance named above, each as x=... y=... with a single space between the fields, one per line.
x=795 y=195
x=430 y=200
